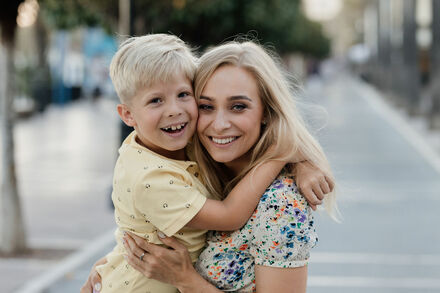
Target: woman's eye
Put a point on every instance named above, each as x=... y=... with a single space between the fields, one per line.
x=239 y=107
x=184 y=94
x=205 y=107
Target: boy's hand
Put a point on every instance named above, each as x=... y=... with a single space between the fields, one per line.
x=312 y=183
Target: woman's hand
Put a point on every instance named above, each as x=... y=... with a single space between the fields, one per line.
x=312 y=183
x=169 y=265
x=94 y=279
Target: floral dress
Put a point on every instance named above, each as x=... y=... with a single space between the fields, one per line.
x=280 y=233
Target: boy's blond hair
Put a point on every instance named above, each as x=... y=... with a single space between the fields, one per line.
x=143 y=61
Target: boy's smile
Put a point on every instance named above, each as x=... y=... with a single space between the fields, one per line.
x=164 y=116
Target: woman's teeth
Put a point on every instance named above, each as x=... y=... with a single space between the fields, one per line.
x=224 y=140
x=174 y=127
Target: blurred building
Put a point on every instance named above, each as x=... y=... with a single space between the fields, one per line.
x=393 y=44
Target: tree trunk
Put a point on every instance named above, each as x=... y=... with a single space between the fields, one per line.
x=12 y=232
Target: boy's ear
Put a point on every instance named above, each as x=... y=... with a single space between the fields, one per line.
x=126 y=115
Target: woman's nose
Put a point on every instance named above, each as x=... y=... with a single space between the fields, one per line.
x=221 y=122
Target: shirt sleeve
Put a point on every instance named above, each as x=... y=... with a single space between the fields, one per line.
x=283 y=229
x=167 y=199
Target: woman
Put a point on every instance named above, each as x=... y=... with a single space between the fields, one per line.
x=245 y=106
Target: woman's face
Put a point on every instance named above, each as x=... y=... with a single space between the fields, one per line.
x=230 y=115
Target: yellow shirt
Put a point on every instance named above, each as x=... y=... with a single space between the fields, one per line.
x=151 y=193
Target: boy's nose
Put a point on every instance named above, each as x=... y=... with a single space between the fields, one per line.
x=174 y=109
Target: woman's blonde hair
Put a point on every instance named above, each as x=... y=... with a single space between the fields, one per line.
x=143 y=61
x=283 y=127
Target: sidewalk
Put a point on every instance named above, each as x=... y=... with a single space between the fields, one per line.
x=389 y=182
x=65 y=158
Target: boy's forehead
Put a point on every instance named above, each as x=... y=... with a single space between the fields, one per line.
x=178 y=79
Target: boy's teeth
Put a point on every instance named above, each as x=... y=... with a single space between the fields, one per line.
x=174 y=127
x=223 y=140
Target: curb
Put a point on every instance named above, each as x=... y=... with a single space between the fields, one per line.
x=73 y=261
x=415 y=139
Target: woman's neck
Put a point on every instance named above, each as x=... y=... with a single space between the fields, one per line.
x=237 y=165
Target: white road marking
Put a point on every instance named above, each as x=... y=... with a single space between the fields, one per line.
x=49 y=277
x=364 y=282
x=373 y=98
x=57 y=243
x=376 y=258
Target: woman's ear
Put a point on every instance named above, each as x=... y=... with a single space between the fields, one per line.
x=126 y=115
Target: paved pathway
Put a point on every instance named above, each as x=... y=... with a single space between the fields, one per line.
x=65 y=158
x=389 y=186
x=389 y=196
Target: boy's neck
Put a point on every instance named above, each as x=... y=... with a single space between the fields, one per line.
x=174 y=155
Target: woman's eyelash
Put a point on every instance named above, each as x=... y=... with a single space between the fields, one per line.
x=239 y=106
x=205 y=107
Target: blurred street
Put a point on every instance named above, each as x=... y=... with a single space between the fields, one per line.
x=389 y=197
x=388 y=180
x=65 y=159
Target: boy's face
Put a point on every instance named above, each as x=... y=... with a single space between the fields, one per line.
x=164 y=116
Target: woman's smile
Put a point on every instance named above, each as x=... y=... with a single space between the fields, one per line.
x=224 y=141
x=230 y=115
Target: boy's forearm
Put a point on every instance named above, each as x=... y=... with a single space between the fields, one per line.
x=234 y=211
x=243 y=199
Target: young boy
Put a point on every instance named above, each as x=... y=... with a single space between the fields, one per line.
x=156 y=188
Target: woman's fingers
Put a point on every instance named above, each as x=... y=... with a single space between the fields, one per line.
x=132 y=246
x=87 y=287
x=96 y=281
x=171 y=242
x=93 y=283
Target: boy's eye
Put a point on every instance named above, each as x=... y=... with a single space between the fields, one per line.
x=184 y=94
x=239 y=107
x=155 y=101
x=205 y=107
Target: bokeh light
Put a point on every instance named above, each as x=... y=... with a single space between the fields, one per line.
x=322 y=10
x=27 y=13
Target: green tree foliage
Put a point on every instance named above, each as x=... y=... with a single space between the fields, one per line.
x=279 y=23
x=71 y=13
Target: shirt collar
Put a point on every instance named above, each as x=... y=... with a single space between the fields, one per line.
x=131 y=140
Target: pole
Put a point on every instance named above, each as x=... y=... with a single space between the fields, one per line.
x=410 y=54
x=434 y=115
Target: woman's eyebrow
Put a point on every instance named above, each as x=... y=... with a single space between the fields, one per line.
x=205 y=98
x=240 y=97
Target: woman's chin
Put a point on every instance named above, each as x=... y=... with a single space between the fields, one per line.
x=222 y=159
